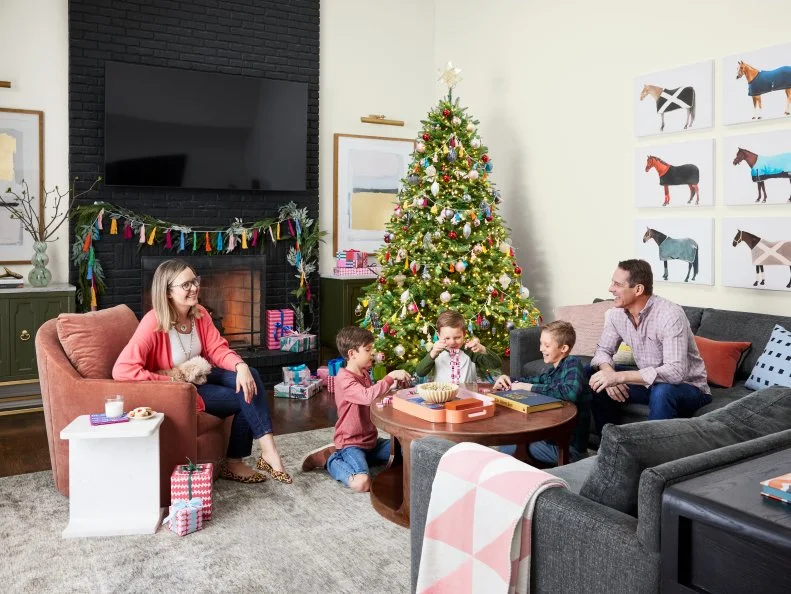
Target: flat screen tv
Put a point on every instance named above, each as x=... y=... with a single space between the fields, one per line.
x=171 y=128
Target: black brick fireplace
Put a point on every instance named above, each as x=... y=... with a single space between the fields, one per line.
x=258 y=38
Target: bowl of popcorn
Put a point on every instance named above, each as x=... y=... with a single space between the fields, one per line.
x=437 y=392
x=140 y=413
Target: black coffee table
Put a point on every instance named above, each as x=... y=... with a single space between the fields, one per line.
x=720 y=535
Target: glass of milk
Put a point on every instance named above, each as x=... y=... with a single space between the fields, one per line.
x=114 y=406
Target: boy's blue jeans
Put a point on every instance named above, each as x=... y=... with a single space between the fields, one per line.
x=222 y=400
x=345 y=463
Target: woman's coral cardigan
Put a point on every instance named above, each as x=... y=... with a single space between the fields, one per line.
x=149 y=351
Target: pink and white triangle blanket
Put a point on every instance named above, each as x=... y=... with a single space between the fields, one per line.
x=478 y=528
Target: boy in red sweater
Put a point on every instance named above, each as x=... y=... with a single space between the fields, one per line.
x=357 y=444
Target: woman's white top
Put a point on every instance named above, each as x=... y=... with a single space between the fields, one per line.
x=180 y=347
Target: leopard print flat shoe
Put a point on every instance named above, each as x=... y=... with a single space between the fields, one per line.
x=278 y=475
x=232 y=476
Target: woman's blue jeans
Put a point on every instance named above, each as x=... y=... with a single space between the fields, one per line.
x=252 y=421
x=345 y=463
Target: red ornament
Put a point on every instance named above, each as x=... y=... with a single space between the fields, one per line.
x=404 y=228
x=452 y=235
x=426 y=137
x=446 y=178
x=507 y=351
x=517 y=270
x=446 y=112
x=485 y=158
x=392 y=331
x=489 y=219
x=382 y=280
x=387 y=256
x=387 y=238
x=490 y=240
x=386 y=328
x=494 y=292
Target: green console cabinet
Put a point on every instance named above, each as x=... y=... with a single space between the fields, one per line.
x=22 y=312
x=339 y=298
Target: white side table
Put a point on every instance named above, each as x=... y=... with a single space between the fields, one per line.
x=113 y=477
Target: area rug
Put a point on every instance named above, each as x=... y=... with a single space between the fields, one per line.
x=311 y=536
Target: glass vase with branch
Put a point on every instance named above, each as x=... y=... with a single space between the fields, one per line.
x=23 y=207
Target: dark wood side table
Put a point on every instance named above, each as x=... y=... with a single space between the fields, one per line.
x=720 y=535
x=390 y=488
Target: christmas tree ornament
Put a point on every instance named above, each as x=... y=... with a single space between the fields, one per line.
x=507 y=351
x=445 y=297
x=379 y=357
x=431 y=171
x=517 y=270
x=423 y=303
x=393 y=332
x=446 y=281
x=488 y=167
x=524 y=292
x=452 y=142
x=466 y=230
x=435 y=188
x=426 y=136
x=426 y=275
x=466 y=197
x=504 y=280
x=358 y=310
x=437 y=234
x=485 y=158
x=452 y=235
x=413 y=179
x=446 y=112
x=406 y=296
x=451 y=156
x=446 y=178
x=473 y=174
x=434 y=209
x=470 y=127
x=382 y=280
x=456 y=121
x=399 y=279
x=477 y=248
x=412 y=307
x=509 y=325
x=420 y=147
x=475 y=143
x=476 y=223
x=414 y=266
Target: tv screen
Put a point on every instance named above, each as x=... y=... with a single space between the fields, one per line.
x=186 y=129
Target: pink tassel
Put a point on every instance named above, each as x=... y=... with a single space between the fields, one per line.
x=290 y=227
x=142 y=233
x=255 y=237
x=127 y=230
x=99 y=220
x=168 y=240
x=307 y=292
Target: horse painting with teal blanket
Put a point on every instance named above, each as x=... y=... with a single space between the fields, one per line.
x=763 y=167
x=765 y=81
x=684 y=249
x=675 y=175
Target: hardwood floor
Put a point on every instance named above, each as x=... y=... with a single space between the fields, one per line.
x=23 y=437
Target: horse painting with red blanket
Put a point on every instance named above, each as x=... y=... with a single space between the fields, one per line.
x=675 y=175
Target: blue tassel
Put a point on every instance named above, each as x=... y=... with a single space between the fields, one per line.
x=219 y=241
x=181 y=242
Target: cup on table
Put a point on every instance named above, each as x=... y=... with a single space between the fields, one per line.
x=113 y=406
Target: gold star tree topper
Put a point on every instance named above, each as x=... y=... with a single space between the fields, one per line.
x=450 y=75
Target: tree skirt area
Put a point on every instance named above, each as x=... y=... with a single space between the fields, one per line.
x=312 y=536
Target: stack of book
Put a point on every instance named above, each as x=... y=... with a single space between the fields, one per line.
x=11 y=283
x=778 y=488
x=525 y=401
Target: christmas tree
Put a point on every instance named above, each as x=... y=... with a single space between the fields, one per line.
x=446 y=246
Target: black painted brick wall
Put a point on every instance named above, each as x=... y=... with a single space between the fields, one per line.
x=261 y=38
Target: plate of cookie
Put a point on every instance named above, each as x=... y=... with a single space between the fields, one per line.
x=141 y=413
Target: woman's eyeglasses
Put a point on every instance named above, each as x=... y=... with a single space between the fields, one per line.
x=195 y=282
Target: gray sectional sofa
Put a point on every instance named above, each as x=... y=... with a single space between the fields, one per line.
x=603 y=533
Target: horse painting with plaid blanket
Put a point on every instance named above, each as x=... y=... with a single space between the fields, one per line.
x=763 y=167
x=684 y=249
x=670 y=100
x=765 y=81
x=765 y=253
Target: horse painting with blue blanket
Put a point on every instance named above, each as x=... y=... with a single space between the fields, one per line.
x=763 y=167
x=765 y=81
x=671 y=100
x=684 y=249
x=675 y=175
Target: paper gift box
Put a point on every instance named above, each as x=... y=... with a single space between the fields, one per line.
x=331 y=384
x=351 y=259
x=334 y=366
x=323 y=372
x=193 y=480
x=358 y=272
x=296 y=374
x=278 y=323
x=185 y=516
x=299 y=391
x=297 y=343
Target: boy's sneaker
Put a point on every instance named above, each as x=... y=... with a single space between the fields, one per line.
x=318 y=458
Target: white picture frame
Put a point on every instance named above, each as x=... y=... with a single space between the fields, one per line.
x=665 y=96
x=740 y=261
x=769 y=180
x=688 y=169
x=773 y=65
x=368 y=176
x=684 y=234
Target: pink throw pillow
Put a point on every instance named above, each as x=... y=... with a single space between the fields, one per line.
x=588 y=322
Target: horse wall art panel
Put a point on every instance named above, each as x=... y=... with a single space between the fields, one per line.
x=756 y=253
x=757 y=168
x=674 y=175
x=679 y=250
x=674 y=100
x=756 y=85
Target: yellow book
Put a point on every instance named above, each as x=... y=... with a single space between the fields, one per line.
x=525 y=401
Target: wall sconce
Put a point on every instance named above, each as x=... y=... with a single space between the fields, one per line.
x=5 y=84
x=381 y=119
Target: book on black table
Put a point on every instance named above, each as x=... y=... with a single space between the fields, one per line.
x=525 y=401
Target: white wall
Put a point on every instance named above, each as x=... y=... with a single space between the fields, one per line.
x=34 y=57
x=376 y=57
x=551 y=83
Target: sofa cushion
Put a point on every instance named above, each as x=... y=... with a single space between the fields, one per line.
x=721 y=358
x=92 y=341
x=719 y=324
x=773 y=367
x=575 y=473
x=588 y=322
x=626 y=450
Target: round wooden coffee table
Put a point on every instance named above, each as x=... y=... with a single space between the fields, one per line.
x=390 y=488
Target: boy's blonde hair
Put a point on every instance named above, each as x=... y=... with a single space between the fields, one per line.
x=562 y=332
x=451 y=319
x=351 y=338
x=167 y=316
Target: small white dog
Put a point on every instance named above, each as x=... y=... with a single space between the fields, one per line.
x=194 y=371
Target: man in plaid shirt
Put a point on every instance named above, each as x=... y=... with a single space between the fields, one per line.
x=670 y=376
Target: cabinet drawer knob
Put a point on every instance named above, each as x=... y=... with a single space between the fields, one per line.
x=24 y=336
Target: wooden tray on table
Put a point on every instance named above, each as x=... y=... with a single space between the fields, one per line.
x=410 y=402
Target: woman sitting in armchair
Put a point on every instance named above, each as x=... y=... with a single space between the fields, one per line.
x=178 y=329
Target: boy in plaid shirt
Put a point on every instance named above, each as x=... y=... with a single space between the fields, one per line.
x=565 y=380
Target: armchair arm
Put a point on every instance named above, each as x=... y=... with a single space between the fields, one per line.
x=654 y=481
x=525 y=346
